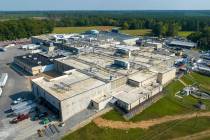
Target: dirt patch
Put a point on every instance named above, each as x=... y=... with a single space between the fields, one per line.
x=147 y=123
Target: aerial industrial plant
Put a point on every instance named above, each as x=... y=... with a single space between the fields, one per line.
x=100 y=69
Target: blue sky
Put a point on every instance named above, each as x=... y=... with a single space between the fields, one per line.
x=104 y=5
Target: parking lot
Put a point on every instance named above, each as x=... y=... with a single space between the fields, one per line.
x=17 y=86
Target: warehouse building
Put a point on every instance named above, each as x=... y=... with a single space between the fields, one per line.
x=36 y=63
x=66 y=94
x=181 y=44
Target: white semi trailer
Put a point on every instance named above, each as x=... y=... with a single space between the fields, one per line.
x=21 y=105
x=0 y=91
x=27 y=109
x=3 y=79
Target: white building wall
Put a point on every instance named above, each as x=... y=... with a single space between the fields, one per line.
x=131 y=41
x=101 y=105
x=80 y=102
x=39 y=92
x=156 y=90
x=134 y=104
x=164 y=78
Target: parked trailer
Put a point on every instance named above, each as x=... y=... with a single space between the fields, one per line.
x=3 y=79
x=21 y=105
x=26 y=110
x=0 y=91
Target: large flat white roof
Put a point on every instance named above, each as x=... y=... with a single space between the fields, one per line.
x=161 y=69
x=129 y=94
x=142 y=76
x=74 y=63
x=67 y=86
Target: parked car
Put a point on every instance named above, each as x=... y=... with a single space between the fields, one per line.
x=45 y=121
x=19 y=118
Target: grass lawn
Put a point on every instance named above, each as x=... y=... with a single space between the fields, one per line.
x=203 y=80
x=159 y=132
x=113 y=115
x=188 y=80
x=185 y=33
x=144 y=32
x=139 y=32
x=192 y=78
x=63 y=30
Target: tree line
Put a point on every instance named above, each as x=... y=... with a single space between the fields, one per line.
x=202 y=38
x=161 y=26
x=24 y=28
x=162 y=23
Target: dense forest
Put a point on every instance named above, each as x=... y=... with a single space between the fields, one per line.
x=202 y=38
x=24 y=28
x=16 y=25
